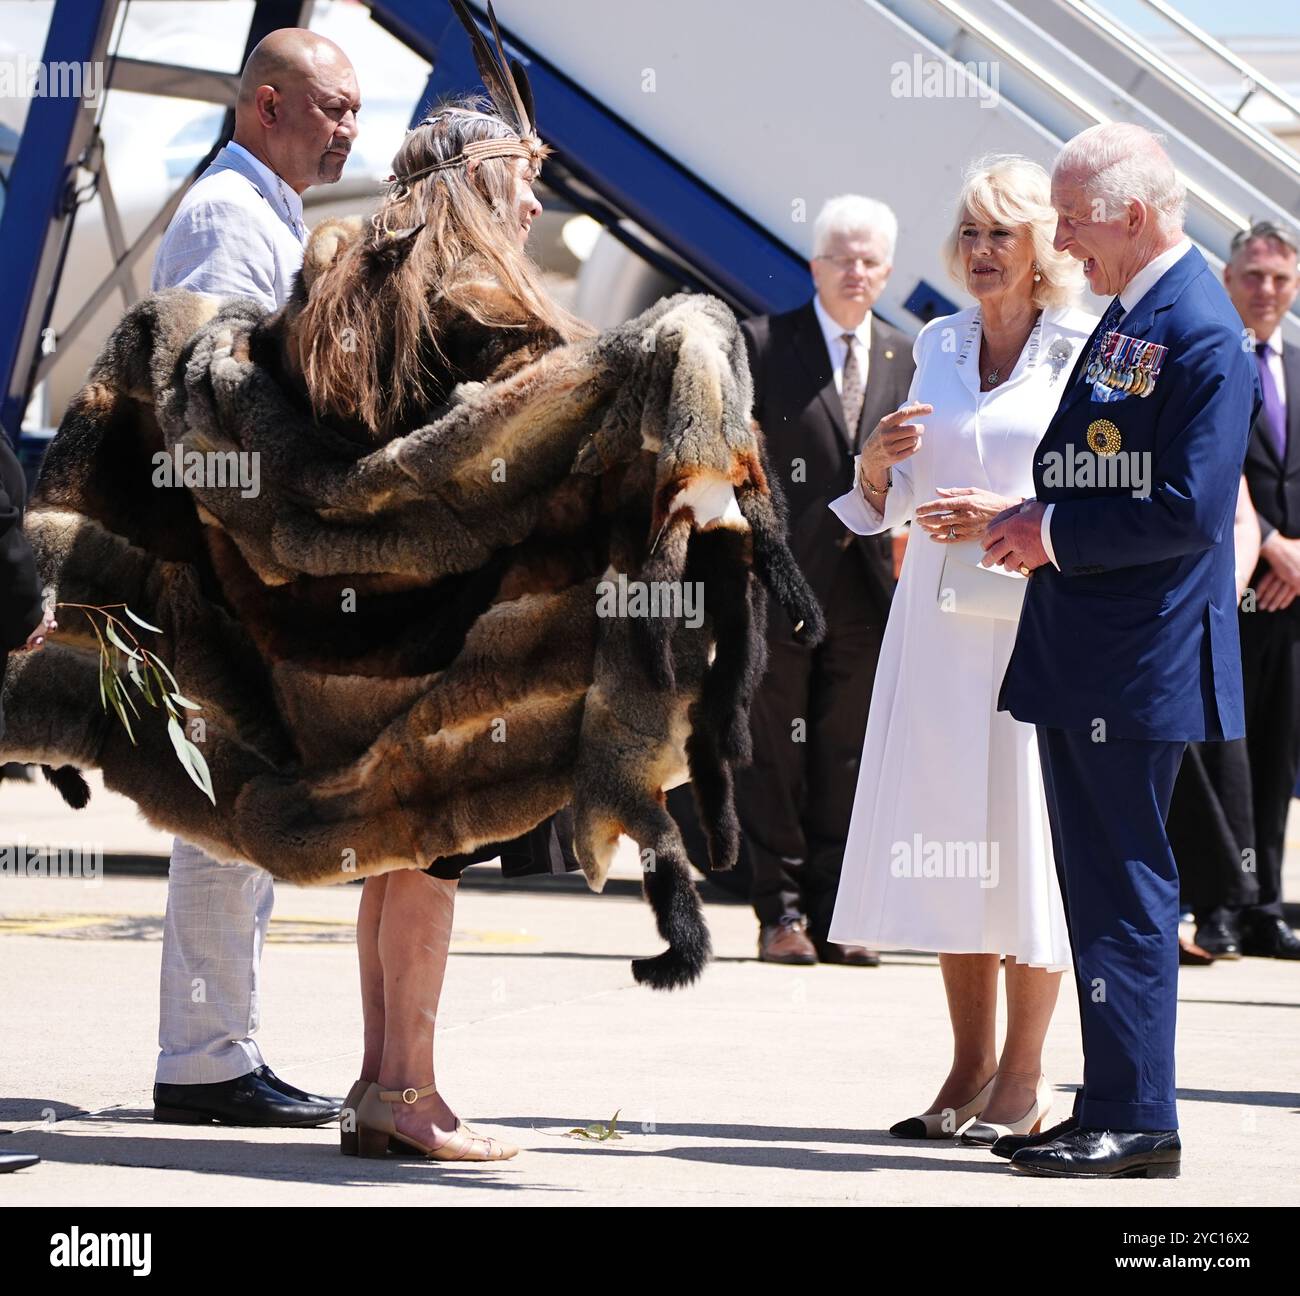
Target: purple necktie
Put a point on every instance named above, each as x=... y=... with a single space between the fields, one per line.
x=1274 y=414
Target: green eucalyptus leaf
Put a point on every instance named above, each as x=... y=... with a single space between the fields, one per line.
x=113 y=689
x=187 y=753
x=185 y=702
x=125 y=694
x=140 y=621
x=200 y=772
x=117 y=639
x=162 y=665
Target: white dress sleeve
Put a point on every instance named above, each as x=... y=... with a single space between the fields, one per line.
x=859 y=511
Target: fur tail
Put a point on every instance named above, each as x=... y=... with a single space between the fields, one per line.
x=71 y=783
x=680 y=921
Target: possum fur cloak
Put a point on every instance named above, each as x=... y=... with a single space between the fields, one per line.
x=409 y=647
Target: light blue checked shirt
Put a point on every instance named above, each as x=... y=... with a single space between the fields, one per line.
x=238 y=232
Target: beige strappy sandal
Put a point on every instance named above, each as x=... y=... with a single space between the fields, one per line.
x=376 y=1127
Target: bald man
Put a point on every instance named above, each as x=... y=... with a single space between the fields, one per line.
x=239 y=232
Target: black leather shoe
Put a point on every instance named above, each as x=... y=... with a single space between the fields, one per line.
x=264 y=1072
x=847 y=955
x=11 y=1161
x=1104 y=1154
x=246 y=1100
x=1009 y=1144
x=1219 y=939
x=1270 y=938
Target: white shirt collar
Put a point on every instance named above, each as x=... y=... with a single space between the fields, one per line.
x=1151 y=274
x=284 y=201
x=833 y=332
x=1275 y=342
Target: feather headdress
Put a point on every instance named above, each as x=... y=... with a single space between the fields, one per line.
x=507 y=85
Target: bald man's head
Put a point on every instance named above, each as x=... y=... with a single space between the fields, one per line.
x=297 y=107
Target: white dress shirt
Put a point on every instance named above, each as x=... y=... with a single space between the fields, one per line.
x=838 y=349
x=238 y=232
x=1131 y=294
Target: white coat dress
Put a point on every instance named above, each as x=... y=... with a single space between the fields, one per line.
x=949 y=848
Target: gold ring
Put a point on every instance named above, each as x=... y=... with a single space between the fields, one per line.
x=1024 y=571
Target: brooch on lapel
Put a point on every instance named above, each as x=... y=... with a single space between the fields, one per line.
x=1103 y=437
x=1058 y=356
x=1125 y=366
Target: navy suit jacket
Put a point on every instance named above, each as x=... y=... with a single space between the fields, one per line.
x=1138 y=628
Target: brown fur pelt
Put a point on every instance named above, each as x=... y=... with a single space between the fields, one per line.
x=396 y=642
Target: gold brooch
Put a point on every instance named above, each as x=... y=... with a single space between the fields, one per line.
x=1103 y=437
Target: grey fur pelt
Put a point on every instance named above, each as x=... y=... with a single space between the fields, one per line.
x=396 y=646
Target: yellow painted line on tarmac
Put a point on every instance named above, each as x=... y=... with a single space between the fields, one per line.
x=48 y=924
x=284 y=929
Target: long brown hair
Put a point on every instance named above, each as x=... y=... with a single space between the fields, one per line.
x=439 y=244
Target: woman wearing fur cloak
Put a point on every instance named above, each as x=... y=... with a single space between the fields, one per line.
x=468 y=472
x=438 y=292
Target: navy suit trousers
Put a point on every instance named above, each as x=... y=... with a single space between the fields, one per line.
x=1107 y=803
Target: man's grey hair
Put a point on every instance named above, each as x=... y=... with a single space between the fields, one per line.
x=854 y=214
x=1270 y=232
x=1121 y=163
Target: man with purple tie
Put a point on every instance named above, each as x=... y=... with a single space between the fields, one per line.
x=1261 y=279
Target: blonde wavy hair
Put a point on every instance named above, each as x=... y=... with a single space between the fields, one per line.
x=1010 y=190
x=442 y=242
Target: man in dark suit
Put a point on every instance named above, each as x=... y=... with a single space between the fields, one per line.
x=1127 y=647
x=823 y=375
x=1261 y=279
x=24 y=623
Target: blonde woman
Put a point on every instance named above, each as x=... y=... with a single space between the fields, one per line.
x=949 y=847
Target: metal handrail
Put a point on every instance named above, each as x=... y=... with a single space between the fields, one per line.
x=1254 y=80
x=1067 y=95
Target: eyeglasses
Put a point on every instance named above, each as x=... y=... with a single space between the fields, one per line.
x=846 y=263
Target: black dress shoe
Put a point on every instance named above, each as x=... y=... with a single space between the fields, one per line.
x=1104 y=1154
x=264 y=1072
x=1270 y=938
x=246 y=1100
x=11 y=1161
x=847 y=955
x=1219 y=939
x=1009 y=1144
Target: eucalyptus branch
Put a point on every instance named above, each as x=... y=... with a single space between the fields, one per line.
x=120 y=649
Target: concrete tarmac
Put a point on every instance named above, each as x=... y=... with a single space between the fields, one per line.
x=762 y=1085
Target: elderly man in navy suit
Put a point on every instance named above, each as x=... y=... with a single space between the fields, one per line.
x=1127 y=647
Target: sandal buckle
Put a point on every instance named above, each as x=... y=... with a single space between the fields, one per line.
x=410 y=1095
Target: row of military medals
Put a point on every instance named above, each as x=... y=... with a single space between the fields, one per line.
x=1127 y=365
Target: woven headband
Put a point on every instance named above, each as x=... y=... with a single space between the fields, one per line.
x=477 y=150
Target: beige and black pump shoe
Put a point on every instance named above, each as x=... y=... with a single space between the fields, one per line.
x=944 y=1124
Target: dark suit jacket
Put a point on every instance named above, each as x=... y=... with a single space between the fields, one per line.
x=1139 y=626
x=20 y=591
x=802 y=418
x=1274 y=485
